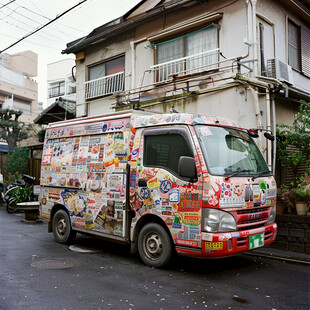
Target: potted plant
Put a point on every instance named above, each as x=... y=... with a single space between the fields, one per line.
x=302 y=198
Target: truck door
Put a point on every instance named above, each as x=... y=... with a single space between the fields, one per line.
x=161 y=190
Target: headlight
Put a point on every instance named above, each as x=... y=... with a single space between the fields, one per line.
x=272 y=215
x=215 y=220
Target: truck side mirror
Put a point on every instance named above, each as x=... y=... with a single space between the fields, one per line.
x=187 y=167
x=269 y=136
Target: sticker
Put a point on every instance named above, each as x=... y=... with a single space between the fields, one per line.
x=145 y=193
x=174 y=195
x=165 y=186
x=214 y=246
x=207 y=236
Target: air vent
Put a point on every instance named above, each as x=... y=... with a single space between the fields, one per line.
x=279 y=70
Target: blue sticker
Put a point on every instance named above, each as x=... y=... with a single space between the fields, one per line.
x=165 y=186
x=174 y=195
x=104 y=128
x=135 y=153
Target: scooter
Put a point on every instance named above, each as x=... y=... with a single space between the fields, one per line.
x=23 y=182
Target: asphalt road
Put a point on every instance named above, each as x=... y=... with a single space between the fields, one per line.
x=38 y=273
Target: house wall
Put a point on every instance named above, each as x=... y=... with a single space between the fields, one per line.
x=236 y=103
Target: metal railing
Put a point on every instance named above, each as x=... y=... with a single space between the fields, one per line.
x=187 y=65
x=105 y=85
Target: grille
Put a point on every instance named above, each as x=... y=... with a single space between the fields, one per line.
x=252 y=218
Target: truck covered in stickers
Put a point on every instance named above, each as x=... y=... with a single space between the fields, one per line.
x=164 y=183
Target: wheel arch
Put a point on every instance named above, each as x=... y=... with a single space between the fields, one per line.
x=52 y=214
x=146 y=219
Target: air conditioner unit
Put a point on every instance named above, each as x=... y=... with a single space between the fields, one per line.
x=279 y=70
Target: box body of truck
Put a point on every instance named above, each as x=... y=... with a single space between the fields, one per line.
x=162 y=182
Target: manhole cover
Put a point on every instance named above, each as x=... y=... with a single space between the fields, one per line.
x=53 y=264
x=82 y=249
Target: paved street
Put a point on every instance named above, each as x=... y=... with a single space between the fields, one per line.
x=38 y=273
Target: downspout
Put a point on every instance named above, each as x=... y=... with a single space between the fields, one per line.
x=257 y=112
x=249 y=40
x=133 y=64
x=269 y=145
x=254 y=37
x=133 y=60
x=275 y=135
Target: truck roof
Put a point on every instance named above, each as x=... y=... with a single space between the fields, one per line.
x=145 y=119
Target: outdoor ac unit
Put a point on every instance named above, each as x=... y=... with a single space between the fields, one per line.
x=279 y=70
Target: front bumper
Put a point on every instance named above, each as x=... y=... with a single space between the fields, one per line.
x=215 y=245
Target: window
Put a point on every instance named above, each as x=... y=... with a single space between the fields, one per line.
x=107 y=68
x=198 y=48
x=299 y=48
x=105 y=78
x=293 y=45
x=165 y=150
x=56 y=91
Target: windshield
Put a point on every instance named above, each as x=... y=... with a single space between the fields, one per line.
x=230 y=152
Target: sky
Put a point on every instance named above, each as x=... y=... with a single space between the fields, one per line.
x=18 y=18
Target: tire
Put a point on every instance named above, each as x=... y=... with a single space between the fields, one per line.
x=11 y=208
x=62 y=229
x=154 y=245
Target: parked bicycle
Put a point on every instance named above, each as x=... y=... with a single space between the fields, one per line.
x=16 y=191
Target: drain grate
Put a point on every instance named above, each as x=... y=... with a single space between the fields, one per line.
x=52 y=264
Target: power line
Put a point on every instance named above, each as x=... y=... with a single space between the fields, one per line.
x=38 y=29
x=7 y=4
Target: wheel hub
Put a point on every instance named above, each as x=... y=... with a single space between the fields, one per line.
x=62 y=226
x=153 y=245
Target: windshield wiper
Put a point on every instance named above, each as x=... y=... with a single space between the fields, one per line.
x=235 y=173
x=260 y=174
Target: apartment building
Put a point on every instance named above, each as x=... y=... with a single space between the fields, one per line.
x=248 y=60
x=60 y=81
x=18 y=89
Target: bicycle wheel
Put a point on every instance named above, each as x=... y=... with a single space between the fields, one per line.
x=11 y=207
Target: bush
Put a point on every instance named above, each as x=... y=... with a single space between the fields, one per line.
x=16 y=164
x=296 y=136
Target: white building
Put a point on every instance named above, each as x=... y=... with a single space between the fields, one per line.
x=60 y=81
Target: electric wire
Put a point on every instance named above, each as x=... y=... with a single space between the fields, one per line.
x=43 y=26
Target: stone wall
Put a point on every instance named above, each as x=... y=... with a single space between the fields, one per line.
x=293 y=233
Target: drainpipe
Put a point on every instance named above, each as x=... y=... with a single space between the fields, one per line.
x=254 y=2
x=269 y=145
x=274 y=133
x=133 y=60
x=249 y=40
x=257 y=112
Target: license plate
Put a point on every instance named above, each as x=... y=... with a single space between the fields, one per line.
x=256 y=241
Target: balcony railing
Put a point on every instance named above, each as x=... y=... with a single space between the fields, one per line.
x=56 y=91
x=104 y=86
x=187 y=65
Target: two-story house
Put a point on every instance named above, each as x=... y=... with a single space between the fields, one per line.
x=248 y=60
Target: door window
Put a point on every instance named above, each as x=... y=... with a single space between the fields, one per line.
x=165 y=150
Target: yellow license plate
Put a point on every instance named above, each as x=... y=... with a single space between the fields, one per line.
x=214 y=245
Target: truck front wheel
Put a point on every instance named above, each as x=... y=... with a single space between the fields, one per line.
x=154 y=245
x=62 y=230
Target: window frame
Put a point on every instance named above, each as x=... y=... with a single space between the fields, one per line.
x=176 y=35
x=290 y=22
x=175 y=130
x=104 y=62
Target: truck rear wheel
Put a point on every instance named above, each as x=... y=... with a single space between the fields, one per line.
x=62 y=230
x=154 y=245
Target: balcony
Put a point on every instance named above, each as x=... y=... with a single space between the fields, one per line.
x=188 y=65
x=56 y=91
x=106 y=85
